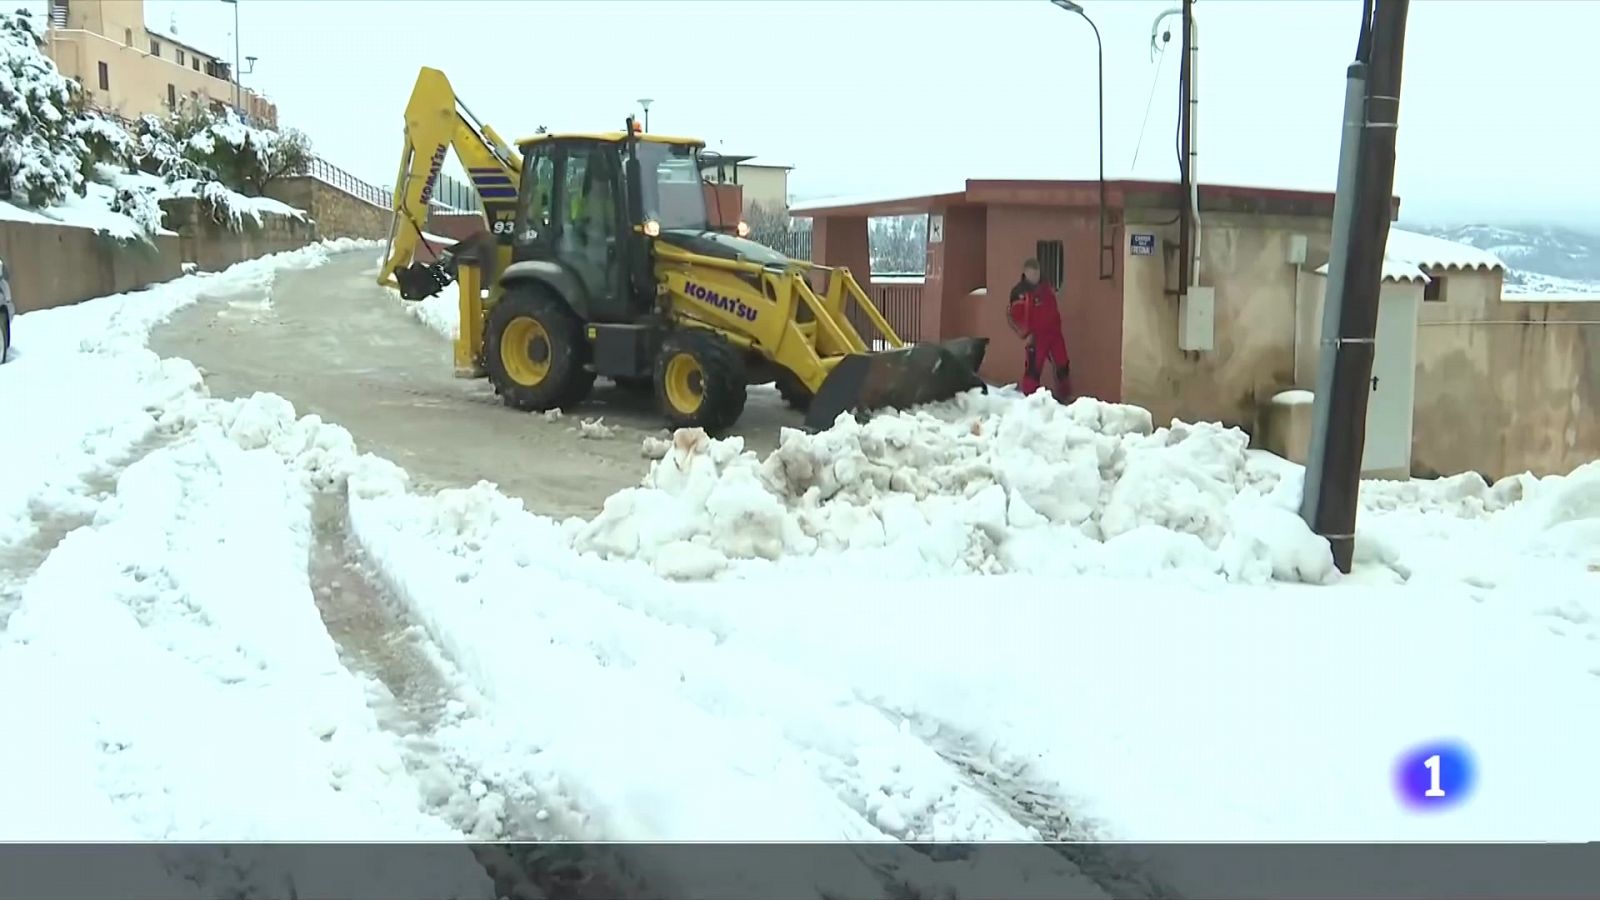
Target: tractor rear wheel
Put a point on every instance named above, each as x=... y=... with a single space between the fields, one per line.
x=535 y=352
x=700 y=381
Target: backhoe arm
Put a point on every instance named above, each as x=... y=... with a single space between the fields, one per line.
x=436 y=121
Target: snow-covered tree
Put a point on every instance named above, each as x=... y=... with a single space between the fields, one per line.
x=898 y=244
x=42 y=154
x=773 y=227
x=157 y=150
x=245 y=158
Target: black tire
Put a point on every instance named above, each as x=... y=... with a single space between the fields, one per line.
x=715 y=377
x=544 y=365
x=793 y=391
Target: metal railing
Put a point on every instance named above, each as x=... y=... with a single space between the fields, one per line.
x=333 y=176
x=448 y=193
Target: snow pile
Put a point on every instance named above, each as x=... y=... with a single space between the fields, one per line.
x=78 y=440
x=197 y=594
x=440 y=312
x=995 y=483
x=595 y=429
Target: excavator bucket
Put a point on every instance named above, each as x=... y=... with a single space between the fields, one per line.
x=921 y=373
x=420 y=281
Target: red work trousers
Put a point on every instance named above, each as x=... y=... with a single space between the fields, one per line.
x=1046 y=350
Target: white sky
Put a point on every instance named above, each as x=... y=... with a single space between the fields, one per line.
x=1498 y=118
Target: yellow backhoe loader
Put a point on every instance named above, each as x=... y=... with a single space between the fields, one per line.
x=600 y=260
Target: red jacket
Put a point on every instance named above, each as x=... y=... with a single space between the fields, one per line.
x=1036 y=313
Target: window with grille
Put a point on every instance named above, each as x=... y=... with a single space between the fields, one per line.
x=172 y=97
x=179 y=55
x=155 y=47
x=105 y=77
x=1052 y=257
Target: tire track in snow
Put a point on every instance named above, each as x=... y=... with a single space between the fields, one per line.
x=420 y=697
x=1034 y=802
x=417 y=693
x=53 y=522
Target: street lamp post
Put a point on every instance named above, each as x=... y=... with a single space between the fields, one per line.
x=1107 y=253
x=644 y=103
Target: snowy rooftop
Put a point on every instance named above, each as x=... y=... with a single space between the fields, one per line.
x=866 y=199
x=990 y=180
x=1393 y=270
x=1431 y=252
x=1409 y=253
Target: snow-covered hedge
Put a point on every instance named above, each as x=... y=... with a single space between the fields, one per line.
x=42 y=153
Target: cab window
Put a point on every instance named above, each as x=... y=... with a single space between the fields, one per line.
x=538 y=184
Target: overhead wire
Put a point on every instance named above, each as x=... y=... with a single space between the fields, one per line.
x=1159 y=57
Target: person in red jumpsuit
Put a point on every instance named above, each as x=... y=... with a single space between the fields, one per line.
x=1037 y=320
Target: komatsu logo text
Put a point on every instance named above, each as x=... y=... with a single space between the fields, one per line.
x=728 y=304
x=433 y=174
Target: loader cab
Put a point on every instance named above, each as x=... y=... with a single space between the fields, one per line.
x=573 y=213
x=591 y=204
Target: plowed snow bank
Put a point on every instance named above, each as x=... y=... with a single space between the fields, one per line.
x=1002 y=483
x=995 y=483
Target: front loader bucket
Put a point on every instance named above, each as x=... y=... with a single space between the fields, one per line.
x=921 y=373
x=420 y=281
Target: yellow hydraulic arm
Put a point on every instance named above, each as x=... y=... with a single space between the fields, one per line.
x=436 y=121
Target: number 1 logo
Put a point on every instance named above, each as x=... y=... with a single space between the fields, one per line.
x=1434 y=790
x=1435 y=776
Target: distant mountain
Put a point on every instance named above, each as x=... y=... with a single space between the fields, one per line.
x=1540 y=259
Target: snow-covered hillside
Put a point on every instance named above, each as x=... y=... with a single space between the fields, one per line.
x=1540 y=259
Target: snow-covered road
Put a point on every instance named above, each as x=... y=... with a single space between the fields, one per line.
x=209 y=598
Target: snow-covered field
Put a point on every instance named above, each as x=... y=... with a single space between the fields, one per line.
x=890 y=630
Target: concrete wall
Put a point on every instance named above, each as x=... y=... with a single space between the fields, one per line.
x=113 y=32
x=956 y=266
x=337 y=213
x=1505 y=387
x=1244 y=257
x=214 y=245
x=56 y=265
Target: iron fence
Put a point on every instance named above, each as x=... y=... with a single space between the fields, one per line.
x=900 y=305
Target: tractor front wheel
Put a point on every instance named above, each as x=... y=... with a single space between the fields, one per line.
x=794 y=392
x=700 y=381
x=534 y=351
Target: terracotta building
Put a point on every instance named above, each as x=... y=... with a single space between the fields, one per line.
x=1447 y=341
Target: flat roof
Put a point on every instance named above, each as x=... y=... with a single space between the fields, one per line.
x=1127 y=194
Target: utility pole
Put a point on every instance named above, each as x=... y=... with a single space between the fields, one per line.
x=1362 y=209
